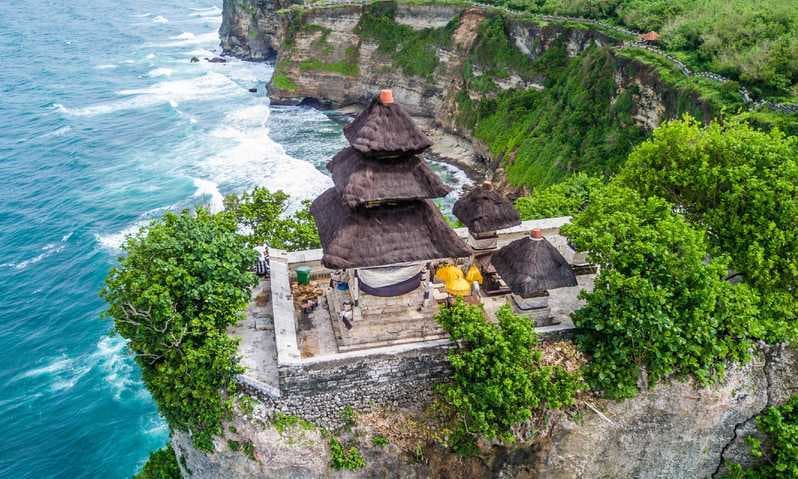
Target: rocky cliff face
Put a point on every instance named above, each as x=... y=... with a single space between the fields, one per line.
x=675 y=430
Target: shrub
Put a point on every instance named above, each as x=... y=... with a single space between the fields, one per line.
x=659 y=307
x=264 y=217
x=566 y=198
x=780 y=425
x=348 y=458
x=742 y=185
x=184 y=281
x=162 y=464
x=378 y=440
x=498 y=380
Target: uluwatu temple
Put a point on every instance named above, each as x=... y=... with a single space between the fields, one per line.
x=390 y=259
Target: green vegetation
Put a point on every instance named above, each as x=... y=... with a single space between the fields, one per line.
x=780 y=426
x=659 y=307
x=283 y=422
x=378 y=440
x=414 y=51
x=162 y=464
x=184 y=280
x=346 y=67
x=498 y=379
x=263 y=214
x=344 y=458
x=282 y=82
x=572 y=125
x=245 y=447
x=566 y=198
x=753 y=42
x=742 y=186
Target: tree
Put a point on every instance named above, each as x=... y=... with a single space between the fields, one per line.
x=741 y=184
x=264 y=218
x=566 y=198
x=498 y=378
x=186 y=278
x=162 y=464
x=659 y=307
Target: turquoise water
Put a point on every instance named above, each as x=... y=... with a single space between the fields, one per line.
x=106 y=124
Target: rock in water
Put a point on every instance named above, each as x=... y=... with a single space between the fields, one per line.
x=253 y=90
x=216 y=60
x=194 y=60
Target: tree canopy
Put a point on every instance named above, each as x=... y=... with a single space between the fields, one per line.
x=498 y=380
x=184 y=280
x=566 y=198
x=741 y=184
x=659 y=307
x=265 y=219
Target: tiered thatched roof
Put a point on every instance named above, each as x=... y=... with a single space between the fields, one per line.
x=362 y=180
x=530 y=266
x=382 y=235
x=384 y=130
x=483 y=209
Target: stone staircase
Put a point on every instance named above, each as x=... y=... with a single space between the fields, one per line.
x=382 y=322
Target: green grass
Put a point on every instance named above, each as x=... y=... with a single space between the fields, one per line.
x=341 y=68
x=414 y=51
x=283 y=422
x=282 y=82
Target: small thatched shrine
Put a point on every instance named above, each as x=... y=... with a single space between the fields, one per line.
x=377 y=225
x=484 y=211
x=531 y=266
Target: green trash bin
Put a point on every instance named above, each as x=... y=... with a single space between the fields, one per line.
x=303 y=275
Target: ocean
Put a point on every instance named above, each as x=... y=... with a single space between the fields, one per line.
x=107 y=124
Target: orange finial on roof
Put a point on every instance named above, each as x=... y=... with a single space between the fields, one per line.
x=386 y=97
x=536 y=234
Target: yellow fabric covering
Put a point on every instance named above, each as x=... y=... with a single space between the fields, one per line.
x=458 y=287
x=448 y=273
x=474 y=275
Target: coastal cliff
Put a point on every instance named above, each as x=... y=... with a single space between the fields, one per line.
x=673 y=430
x=464 y=68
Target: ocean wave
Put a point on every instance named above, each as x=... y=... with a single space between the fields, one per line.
x=106 y=66
x=114 y=241
x=113 y=361
x=210 y=86
x=46 y=251
x=160 y=19
x=206 y=188
x=256 y=160
x=160 y=72
x=208 y=38
x=57 y=132
x=206 y=11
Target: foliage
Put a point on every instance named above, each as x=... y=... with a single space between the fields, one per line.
x=659 y=307
x=264 y=216
x=344 y=458
x=780 y=425
x=162 y=464
x=755 y=42
x=283 y=422
x=244 y=446
x=742 y=185
x=282 y=82
x=414 y=51
x=185 y=279
x=378 y=440
x=566 y=198
x=572 y=125
x=498 y=380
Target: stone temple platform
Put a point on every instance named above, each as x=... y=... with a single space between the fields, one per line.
x=278 y=336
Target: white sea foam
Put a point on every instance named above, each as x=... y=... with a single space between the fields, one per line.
x=184 y=36
x=46 y=251
x=150 y=56
x=206 y=11
x=188 y=39
x=58 y=132
x=254 y=159
x=54 y=366
x=106 y=66
x=114 y=241
x=209 y=189
x=111 y=358
x=160 y=19
x=160 y=72
x=210 y=86
x=142 y=15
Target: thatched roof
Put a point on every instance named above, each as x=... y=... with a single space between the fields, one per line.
x=484 y=209
x=384 y=131
x=362 y=180
x=530 y=266
x=382 y=235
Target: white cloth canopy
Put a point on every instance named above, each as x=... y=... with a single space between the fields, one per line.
x=389 y=275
